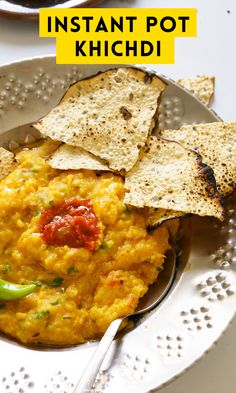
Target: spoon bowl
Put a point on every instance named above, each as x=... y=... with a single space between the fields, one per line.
x=150 y=300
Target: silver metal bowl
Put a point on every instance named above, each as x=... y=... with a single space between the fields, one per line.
x=30 y=8
x=202 y=301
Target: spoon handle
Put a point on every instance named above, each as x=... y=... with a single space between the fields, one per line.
x=86 y=382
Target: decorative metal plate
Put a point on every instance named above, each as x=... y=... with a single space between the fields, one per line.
x=193 y=315
x=30 y=8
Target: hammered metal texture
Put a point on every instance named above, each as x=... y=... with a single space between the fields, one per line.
x=191 y=317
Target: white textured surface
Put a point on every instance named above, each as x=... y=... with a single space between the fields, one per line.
x=211 y=53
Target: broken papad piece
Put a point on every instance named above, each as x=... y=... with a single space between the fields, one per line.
x=7 y=162
x=202 y=86
x=71 y=157
x=216 y=143
x=159 y=216
x=110 y=115
x=168 y=176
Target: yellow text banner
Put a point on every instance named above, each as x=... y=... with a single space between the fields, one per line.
x=117 y=35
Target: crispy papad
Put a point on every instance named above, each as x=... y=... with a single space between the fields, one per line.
x=202 y=86
x=216 y=143
x=159 y=216
x=110 y=115
x=168 y=176
x=71 y=157
x=7 y=162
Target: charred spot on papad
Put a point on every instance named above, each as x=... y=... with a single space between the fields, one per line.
x=110 y=115
x=169 y=176
x=216 y=143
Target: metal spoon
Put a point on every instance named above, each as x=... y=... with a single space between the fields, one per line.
x=154 y=296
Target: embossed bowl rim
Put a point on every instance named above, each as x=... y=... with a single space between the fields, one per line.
x=9 y=9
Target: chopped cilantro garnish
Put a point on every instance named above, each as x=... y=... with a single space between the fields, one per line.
x=6 y=269
x=42 y=314
x=72 y=269
x=104 y=246
x=55 y=303
x=32 y=170
x=107 y=244
x=56 y=282
x=126 y=209
x=40 y=283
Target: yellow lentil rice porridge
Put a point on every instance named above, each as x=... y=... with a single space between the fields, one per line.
x=79 y=290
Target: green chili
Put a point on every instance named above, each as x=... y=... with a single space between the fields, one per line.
x=11 y=291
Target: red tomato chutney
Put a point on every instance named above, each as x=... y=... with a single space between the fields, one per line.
x=71 y=223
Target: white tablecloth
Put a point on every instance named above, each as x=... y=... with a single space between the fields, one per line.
x=212 y=52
